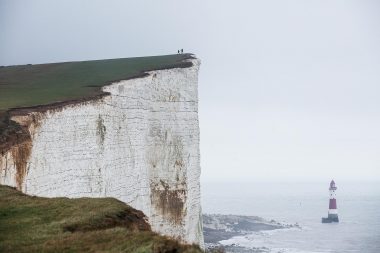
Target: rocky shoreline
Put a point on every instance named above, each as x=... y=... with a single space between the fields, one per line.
x=218 y=227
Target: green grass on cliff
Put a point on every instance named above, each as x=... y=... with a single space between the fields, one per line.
x=34 y=224
x=32 y=85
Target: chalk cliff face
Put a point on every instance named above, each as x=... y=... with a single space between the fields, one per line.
x=139 y=144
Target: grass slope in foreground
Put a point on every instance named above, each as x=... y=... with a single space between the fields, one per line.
x=32 y=85
x=34 y=224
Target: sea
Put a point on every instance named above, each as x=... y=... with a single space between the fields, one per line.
x=304 y=203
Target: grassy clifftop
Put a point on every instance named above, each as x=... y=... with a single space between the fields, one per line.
x=33 y=85
x=43 y=86
x=34 y=224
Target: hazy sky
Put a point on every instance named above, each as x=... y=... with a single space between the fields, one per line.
x=289 y=90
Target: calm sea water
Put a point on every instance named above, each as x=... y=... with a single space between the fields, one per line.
x=305 y=204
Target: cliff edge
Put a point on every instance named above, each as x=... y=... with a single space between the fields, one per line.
x=135 y=138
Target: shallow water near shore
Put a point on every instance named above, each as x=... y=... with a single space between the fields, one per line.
x=305 y=204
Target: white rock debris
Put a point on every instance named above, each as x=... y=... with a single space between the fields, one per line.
x=140 y=144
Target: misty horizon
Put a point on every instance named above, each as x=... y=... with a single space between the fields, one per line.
x=288 y=90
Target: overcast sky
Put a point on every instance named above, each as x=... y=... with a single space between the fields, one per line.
x=289 y=90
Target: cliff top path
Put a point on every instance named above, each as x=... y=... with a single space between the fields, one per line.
x=44 y=84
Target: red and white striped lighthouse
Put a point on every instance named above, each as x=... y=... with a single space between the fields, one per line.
x=333 y=211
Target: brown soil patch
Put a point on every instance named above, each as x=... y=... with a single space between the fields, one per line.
x=132 y=219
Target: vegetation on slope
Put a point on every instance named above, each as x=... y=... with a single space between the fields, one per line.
x=32 y=85
x=34 y=224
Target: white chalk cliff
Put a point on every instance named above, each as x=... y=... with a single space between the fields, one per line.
x=139 y=144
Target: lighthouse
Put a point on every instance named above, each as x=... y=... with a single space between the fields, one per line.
x=333 y=211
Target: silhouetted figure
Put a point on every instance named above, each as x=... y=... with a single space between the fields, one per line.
x=178 y=51
x=182 y=51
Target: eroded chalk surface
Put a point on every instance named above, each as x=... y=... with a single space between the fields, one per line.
x=140 y=145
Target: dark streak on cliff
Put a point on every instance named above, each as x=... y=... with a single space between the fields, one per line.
x=20 y=154
x=170 y=202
